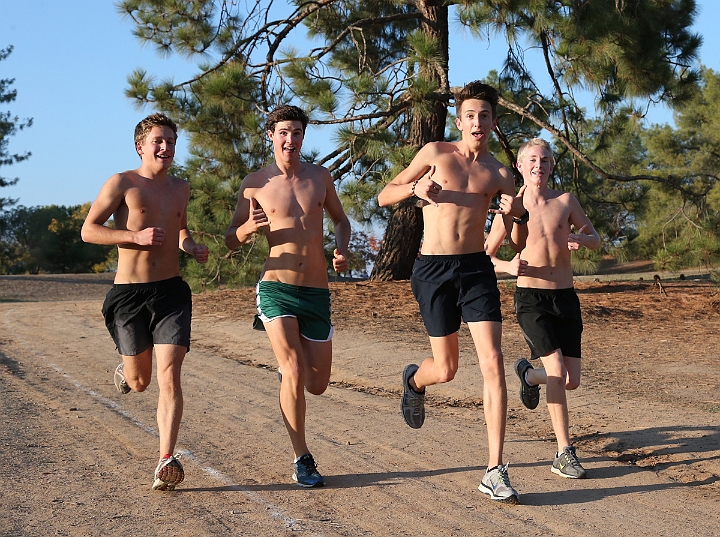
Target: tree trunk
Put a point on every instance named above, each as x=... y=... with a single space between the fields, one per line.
x=404 y=231
x=402 y=235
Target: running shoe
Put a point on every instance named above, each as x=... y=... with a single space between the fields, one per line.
x=120 y=383
x=496 y=484
x=306 y=474
x=529 y=394
x=567 y=464
x=168 y=473
x=413 y=403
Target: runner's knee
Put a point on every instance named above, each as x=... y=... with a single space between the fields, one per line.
x=572 y=384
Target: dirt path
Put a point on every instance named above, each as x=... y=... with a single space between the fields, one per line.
x=77 y=458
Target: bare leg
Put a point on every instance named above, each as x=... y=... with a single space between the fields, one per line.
x=170 y=401
x=487 y=337
x=443 y=365
x=137 y=370
x=560 y=373
x=303 y=364
x=556 y=377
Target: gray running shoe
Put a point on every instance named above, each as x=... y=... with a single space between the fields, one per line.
x=169 y=472
x=120 y=383
x=496 y=484
x=306 y=474
x=529 y=394
x=568 y=465
x=413 y=403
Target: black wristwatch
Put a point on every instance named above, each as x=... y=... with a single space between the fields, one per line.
x=523 y=219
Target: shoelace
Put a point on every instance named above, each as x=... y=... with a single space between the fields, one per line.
x=500 y=477
x=570 y=457
x=309 y=466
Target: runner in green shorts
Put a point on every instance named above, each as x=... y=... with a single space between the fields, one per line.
x=286 y=201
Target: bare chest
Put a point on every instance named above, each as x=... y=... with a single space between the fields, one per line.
x=163 y=207
x=549 y=220
x=471 y=185
x=292 y=199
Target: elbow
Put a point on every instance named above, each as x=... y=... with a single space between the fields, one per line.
x=231 y=240
x=84 y=234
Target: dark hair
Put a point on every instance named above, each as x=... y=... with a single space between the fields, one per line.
x=477 y=90
x=286 y=112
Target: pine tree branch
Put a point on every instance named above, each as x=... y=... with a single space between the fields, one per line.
x=670 y=180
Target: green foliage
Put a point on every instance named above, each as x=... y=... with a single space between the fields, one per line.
x=585 y=261
x=47 y=239
x=680 y=222
x=9 y=126
x=377 y=73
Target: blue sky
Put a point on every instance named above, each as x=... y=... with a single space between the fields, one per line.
x=70 y=64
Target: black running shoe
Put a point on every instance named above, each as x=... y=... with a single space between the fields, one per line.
x=529 y=394
x=413 y=403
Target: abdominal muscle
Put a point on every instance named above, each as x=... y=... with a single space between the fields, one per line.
x=452 y=232
x=137 y=265
x=546 y=270
x=297 y=264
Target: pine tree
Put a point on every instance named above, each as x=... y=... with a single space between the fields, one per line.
x=681 y=225
x=377 y=72
x=9 y=126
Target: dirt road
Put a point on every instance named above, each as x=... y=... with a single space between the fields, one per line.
x=76 y=458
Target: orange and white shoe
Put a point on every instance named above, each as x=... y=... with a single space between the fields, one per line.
x=168 y=474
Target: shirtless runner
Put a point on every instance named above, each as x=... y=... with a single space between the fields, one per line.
x=285 y=201
x=453 y=279
x=149 y=306
x=547 y=307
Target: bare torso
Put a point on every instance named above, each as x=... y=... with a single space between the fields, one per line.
x=456 y=225
x=547 y=253
x=294 y=206
x=149 y=203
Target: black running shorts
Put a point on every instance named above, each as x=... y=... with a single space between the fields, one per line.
x=140 y=315
x=550 y=319
x=453 y=288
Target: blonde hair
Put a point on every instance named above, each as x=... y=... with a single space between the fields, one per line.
x=535 y=142
x=153 y=120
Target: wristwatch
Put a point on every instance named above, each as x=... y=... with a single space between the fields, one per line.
x=523 y=219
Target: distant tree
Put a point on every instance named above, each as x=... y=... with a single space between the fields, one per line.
x=9 y=125
x=378 y=73
x=680 y=226
x=47 y=239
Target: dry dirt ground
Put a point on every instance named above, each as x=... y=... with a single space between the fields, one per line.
x=76 y=458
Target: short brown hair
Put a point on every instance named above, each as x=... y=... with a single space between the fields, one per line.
x=153 y=120
x=286 y=112
x=477 y=90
